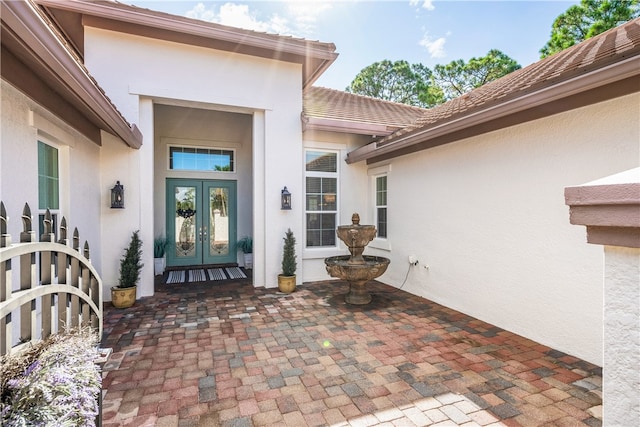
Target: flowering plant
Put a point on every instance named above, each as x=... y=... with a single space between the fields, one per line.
x=54 y=383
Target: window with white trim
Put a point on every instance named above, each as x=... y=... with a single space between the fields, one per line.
x=321 y=197
x=381 y=206
x=201 y=159
x=48 y=183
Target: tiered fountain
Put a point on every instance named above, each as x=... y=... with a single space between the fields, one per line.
x=357 y=269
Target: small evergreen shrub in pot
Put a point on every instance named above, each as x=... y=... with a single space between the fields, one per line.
x=287 y=280
x=124 y=295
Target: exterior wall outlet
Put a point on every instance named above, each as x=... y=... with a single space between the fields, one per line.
x=413 y=260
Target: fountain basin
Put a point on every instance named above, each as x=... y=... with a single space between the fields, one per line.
x=356 y=237
x=357 y=274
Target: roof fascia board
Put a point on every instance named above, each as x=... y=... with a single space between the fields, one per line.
x=314 y=59
x=331 y=125
x=27 y=24
x=600 y=77
x=247 y=37
x=24 y=79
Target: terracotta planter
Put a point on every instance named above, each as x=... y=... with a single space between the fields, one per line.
x=123 y=297
x=286 y=284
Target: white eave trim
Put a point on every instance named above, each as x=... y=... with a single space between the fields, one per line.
x=600 y=77
x=65 y=67
x=193 y=27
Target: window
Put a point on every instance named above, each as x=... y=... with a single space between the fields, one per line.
x=381 y=206
x=321 y=198
x=48 y=183
x=201 y=159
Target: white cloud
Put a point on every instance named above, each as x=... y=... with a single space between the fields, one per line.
x=426 y=4
x=305 y=13
x=434 y=47
x=239 y=16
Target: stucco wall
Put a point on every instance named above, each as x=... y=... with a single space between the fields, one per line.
x=487 y=216
x=353 y=197
x=621 y=386
x=137 y=71
x=24 y=123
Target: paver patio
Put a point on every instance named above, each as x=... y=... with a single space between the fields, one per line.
x=232 y=355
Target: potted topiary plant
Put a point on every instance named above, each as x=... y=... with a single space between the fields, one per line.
x=246 y=246
x=124 y=295
x=159 y=247
x=287 y=280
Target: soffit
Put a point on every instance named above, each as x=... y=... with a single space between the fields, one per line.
x=314 y=56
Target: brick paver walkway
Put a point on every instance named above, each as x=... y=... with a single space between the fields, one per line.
x=232 y=355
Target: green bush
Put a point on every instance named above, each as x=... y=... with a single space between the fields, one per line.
x=289 y=254
x=131 y=264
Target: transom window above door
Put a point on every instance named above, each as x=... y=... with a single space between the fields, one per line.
x=201 y=159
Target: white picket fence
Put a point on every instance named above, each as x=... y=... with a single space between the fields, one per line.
x=54 y=285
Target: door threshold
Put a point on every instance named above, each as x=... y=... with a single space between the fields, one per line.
x=199 y=266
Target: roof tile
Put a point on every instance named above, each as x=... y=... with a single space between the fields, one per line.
x=591 y=54
x=320 y=102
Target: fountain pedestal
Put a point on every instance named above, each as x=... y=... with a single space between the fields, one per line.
x=356 y=269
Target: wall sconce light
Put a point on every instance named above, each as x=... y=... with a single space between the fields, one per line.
x=117 y=196
x=285 y=199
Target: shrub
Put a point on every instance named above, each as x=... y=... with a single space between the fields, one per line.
x=130 y=264
x=289 y=254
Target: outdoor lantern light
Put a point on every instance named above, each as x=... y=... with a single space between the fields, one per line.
x=117 y=196
x=285 y=199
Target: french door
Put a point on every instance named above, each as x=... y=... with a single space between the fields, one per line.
x=201 y=222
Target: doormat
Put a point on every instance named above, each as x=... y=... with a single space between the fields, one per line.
x=231 y=273
x=175 y=277
x=216 y=274
x=199 y=275
x=235 y=273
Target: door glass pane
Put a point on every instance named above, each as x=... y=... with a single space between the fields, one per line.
x=219 y=221
x=185 y=208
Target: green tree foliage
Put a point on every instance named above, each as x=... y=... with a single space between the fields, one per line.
x=588 y=19
x=130 y=263
x=289 y=254
x=459 y=77
x=417 y=85
x=398 y=82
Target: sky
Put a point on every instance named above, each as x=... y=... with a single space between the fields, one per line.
x=429 y=32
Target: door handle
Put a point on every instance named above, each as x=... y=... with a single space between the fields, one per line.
x=202 y=232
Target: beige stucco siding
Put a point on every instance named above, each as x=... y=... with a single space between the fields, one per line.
x=487 y=216
x=24 y=123
x=138 y=73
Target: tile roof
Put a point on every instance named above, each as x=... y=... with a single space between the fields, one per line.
x=323 y=103
x=562 y=66
x=599 y=53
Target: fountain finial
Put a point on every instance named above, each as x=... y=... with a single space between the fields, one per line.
x=355 y=219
